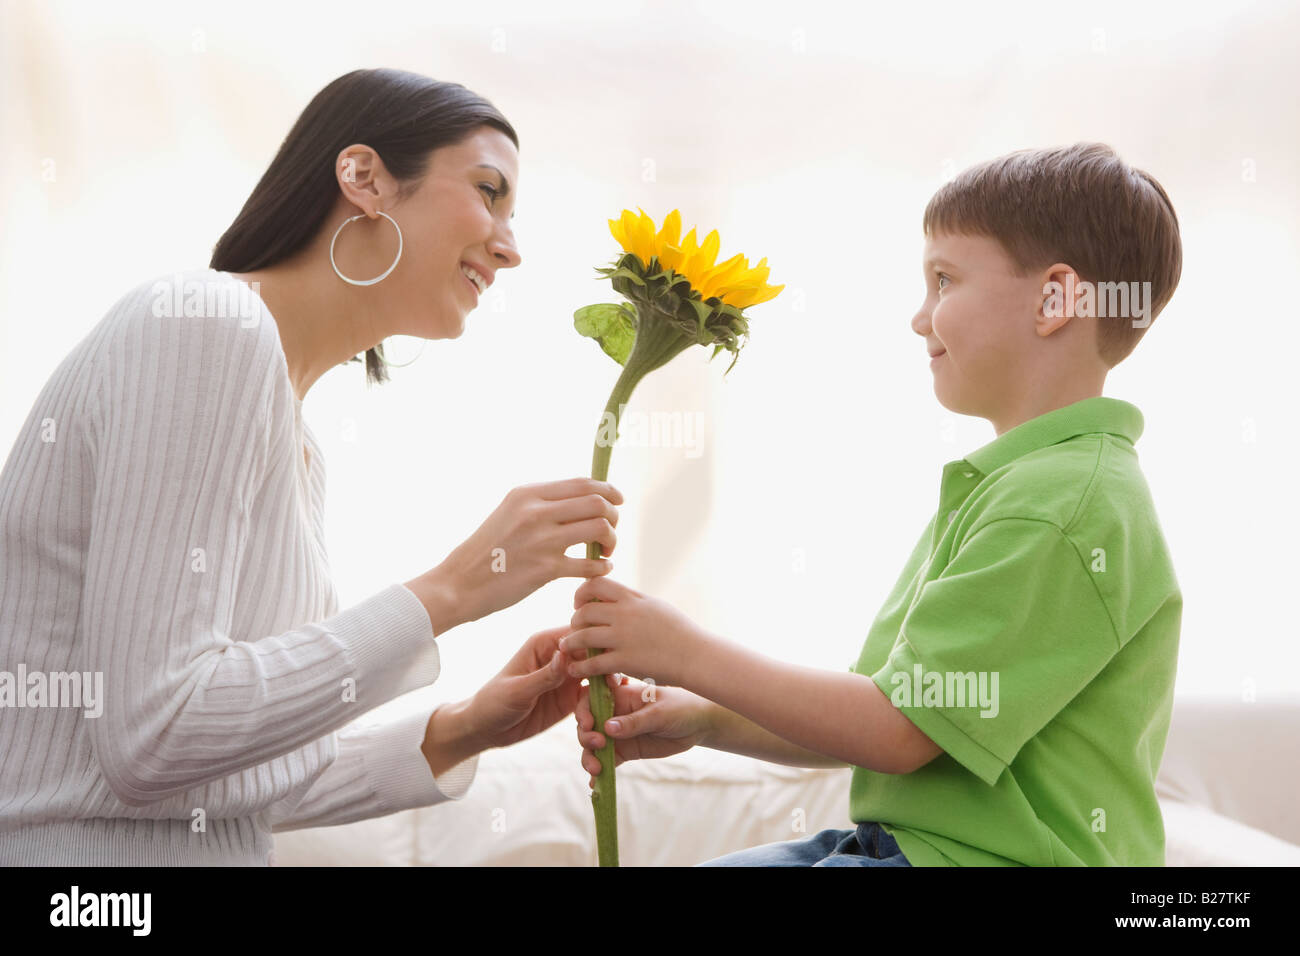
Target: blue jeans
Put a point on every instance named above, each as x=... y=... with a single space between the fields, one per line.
x=868 y=845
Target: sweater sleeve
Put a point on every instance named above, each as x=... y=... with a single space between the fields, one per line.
x=180 y=424
x=379 y=769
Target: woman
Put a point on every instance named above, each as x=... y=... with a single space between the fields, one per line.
x=180 y=680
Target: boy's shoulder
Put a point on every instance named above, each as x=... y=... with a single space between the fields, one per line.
x=1090 y=487
x=1075 y=484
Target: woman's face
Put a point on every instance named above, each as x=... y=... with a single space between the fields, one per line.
x=459 y=217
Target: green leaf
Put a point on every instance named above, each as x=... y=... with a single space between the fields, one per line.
x=613 y=326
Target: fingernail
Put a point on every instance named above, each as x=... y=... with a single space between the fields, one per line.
x=614 y=726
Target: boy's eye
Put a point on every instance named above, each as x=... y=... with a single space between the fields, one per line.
x=942 y=277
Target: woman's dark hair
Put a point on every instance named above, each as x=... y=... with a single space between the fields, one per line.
x=402 y=116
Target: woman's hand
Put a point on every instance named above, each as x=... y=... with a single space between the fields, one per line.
x=653 y=721
x=532 y=692
x=640 y=635
x=519 y=548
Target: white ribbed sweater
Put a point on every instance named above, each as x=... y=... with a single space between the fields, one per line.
x=160 y=527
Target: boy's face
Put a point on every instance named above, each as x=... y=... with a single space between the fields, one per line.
x=981 y=318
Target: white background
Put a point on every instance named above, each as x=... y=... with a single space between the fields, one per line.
x=812 y=134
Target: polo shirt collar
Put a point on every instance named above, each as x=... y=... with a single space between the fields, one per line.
x=1112 y=416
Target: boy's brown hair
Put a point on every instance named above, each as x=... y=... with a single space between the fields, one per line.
x=1078 y=204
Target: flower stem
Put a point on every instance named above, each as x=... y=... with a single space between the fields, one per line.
x=604 y=800
x=657 y=342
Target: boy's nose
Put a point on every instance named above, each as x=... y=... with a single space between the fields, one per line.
x=921 y=322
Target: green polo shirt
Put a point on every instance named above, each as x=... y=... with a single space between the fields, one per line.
x=1033 y=636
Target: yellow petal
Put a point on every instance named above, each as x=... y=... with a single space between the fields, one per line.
x=770 y=292
x=671 y=230
x=698 y=265
x=760 y=272
x=670 y=257
x=641 y=233
x=726 y=274
x=749 y=278
x=619 y=229
x=744 y=298
x=729 y=293
x=709 y=251
x=627 y=224
x=690 y=244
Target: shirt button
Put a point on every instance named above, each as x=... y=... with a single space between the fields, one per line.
x=968 y=474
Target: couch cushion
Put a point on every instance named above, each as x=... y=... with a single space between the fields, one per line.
x=1224 y=799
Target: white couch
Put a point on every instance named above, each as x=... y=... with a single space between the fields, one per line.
x=1227 y=788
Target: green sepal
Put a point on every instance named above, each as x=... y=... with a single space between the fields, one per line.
x=702 y=312
x=624 y=274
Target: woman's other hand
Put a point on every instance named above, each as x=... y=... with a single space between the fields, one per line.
x=532 y=692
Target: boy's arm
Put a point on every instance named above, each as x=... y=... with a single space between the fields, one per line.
x=805 y=713
x=735 y=734
x=838 y=716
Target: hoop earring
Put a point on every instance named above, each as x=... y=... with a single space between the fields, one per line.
x=376 y=278
x=423 y=343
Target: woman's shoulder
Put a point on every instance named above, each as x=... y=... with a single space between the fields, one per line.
x=196 y=301
x=202 y=329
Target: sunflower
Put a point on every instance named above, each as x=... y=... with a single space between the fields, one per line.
x=677 y=296
x=732 y=282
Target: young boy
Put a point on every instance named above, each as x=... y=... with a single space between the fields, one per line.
x=1011 y=702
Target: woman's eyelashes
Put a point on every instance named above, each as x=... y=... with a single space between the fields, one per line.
x=492 y=191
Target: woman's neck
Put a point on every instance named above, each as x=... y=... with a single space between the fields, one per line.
x=320 y=324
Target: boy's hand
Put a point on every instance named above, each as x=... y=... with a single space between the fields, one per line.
x=654 y=722
x=641 y=635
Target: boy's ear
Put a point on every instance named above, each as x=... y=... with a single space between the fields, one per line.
x=1058 y=301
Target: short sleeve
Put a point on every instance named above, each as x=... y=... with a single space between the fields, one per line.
x=999 y=643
